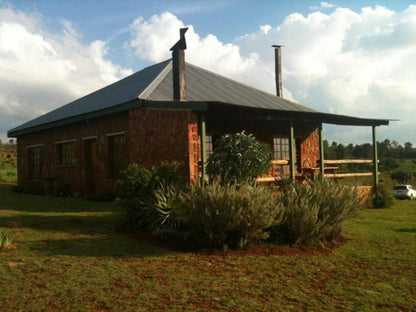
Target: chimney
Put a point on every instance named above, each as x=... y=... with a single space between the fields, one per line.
x=178 y=67
x=278 y=69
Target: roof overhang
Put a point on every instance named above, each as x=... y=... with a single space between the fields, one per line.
x=135 y=104
x=200 y=106
x=297 y=116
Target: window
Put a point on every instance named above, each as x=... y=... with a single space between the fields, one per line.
x=281 y=151
x=116 y=154
x=66 y=153
x=35 y=169
x=209 y=145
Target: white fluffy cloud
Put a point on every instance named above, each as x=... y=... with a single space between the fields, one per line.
x=343 y=62
x=40 y=70
x=152 y=39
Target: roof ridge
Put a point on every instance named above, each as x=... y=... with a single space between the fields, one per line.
x=152 y=86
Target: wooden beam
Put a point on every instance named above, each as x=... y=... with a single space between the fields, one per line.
x=280 y=162
x=375 y=159
x=266 y=179
x=202 y=135
x=348 y=161
x=292 y=152
x=348 y=175
x=321 y=150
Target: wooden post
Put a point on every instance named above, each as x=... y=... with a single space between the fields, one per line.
x=375 y=159
x=321 y=150
x=292 y=152
x=202 y=135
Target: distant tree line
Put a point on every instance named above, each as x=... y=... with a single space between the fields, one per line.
x=386 y=149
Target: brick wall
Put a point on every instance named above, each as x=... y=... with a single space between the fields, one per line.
x=52 y=173
x=169 y=135
x=151 y=136
x=309 y=146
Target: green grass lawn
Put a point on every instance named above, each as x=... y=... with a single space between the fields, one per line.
x=69 y=257
x=8 y=163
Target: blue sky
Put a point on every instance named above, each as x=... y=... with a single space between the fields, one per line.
x=343 y=57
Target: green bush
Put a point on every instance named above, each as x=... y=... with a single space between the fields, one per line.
x=383 y=198
x=238 y=158
x=221 y=216
x=147 y=195
x=315 y=213
x=402 y=176
x=389 y=163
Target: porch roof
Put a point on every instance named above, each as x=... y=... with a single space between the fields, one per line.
x=152 y=87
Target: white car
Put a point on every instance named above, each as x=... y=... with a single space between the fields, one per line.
x=404 y=191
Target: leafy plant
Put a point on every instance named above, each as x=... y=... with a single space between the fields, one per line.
x=238 y=158
x=383 y=198
x=315 y=213
x=402 y=176
x=390 y=163
x=230 y=215
x=5 y=239
x=149 y=195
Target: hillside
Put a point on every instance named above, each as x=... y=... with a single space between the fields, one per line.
x=8 y=163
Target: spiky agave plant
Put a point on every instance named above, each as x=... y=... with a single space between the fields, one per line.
x=6 y=239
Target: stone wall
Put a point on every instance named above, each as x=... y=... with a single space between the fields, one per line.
x=309 y=135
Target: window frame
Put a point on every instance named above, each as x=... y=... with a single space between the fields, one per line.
x=34 y=162
x=66 y=153
x=116 y=154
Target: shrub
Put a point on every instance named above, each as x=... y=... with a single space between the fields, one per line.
x=402 y=176
x=315 y=213
x=383 y=198
x=221 y=216
x=390 y=163
x=238 y=158
x=147 y=194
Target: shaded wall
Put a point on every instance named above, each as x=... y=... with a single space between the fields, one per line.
x=74 y=175
x=151 y=136
x=265 y=129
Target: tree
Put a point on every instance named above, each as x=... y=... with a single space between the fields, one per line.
x=238 y=158
x=402 y=176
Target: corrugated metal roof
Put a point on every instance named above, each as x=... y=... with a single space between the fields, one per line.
x=154 y=83
x=122 y=91
x=203 y=85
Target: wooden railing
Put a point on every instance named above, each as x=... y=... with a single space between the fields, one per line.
x=347 y=161
x=329 y=171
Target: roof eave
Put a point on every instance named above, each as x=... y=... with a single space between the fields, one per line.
x=134 y=104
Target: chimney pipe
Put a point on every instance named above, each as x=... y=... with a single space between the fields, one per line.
x=178 y=67
x=278 y=69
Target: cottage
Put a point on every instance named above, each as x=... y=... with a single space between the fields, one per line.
x=159 y=114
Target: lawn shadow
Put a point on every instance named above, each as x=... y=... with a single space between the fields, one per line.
x=411 y=230
x=102 y=246
x=24 y=202
x=91 y=224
